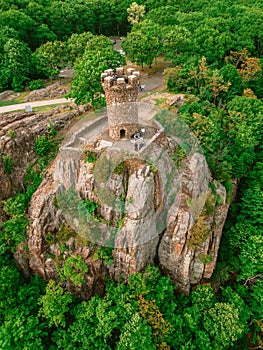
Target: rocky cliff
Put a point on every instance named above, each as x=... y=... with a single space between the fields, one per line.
x=18 y=132
x=105 y=209
x=154 y=209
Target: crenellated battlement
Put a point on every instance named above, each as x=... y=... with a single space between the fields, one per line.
x=121 y=91
x=120 y=86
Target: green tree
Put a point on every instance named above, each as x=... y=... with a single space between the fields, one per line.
x=213 y=39
x=211 y=324
x=143 y=44
x=159 y=15
x=115 y=321
x=119 y=16
x=7 y=33
x=37 y=11
x=178 y=43
x=135 y=13
x=136 y=334
x=42 y=35
x=76 y=46
x=241 y=249
x=19 y=21
x=54 y=305
x=16 y=65
x=230 y=74
x=223 y=325
x=86 y=86
x=49 y=58
x=101 y=12
x=20 y=326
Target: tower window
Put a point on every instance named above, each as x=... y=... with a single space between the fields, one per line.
x=122 y=133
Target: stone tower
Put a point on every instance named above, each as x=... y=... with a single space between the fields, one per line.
x=121 y=91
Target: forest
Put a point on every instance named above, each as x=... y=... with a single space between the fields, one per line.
x=214 y=50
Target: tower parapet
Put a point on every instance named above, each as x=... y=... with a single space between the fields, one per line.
x=121 y=91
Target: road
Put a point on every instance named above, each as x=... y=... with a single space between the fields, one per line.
x=32 y=104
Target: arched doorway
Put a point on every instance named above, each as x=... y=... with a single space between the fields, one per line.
x=122 y=133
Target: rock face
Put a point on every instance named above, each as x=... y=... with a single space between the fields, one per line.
x=18 y=132
x=49 y=252
x=52 y=91
x=170 y=215
x=188 y=249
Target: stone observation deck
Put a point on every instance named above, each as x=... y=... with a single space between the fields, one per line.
x=119 y=125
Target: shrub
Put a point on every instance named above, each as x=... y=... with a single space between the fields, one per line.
x=14 y=231
x=42 y=146
x=35 y=84
x=178 y=156
x=16 y=205
x=54 y=305
x=8 y=163
x=91 y=156
x=205 y=258
x=199 y=232
x=90 y=206
x=74 y=269
x=65 y=233
x=52 y=130
x=105 y=254
x=11 y=133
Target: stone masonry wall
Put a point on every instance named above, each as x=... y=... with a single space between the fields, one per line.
x=121 y=92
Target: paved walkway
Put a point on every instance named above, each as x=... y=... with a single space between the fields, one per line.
x=32 y=104
x=87 y=132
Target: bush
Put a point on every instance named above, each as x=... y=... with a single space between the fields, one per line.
x=35 y=84
x=90 y=206
x=42 y=146
x=74 y=269
x=8 y=163
x=91 y=156
x=14 y=231
x=11 y=133
x=16 y=205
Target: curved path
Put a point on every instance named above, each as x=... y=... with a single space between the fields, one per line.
x=32 y=104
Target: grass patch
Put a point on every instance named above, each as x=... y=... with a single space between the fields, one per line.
x=48 y=107
x=14 y=101
x=160 y=101
x=43 y=109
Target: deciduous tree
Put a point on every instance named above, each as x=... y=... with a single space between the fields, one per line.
x=54 y=304
x=16 y=63
x=143 y=44
x=135 y=13
x=86 y=86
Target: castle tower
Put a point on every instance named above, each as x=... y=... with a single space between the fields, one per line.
x=121 y=91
